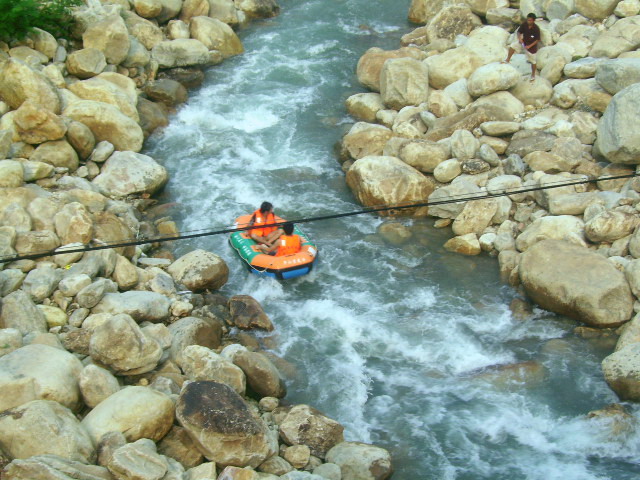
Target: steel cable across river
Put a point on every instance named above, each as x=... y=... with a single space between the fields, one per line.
x=398 y=342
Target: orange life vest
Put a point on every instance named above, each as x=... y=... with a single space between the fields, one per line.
x=288 y=245
x=260 y=219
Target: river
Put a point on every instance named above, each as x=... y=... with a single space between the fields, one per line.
x=393 y=341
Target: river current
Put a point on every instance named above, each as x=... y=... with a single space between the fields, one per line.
x=396 y=342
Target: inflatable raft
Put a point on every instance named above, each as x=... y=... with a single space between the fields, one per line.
x=287 y=266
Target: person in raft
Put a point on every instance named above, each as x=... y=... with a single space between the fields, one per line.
x=264 y=216
x=288 y=243
x=528 y=39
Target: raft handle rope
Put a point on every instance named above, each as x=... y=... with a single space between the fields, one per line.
x=373 y=209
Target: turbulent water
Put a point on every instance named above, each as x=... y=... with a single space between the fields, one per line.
x=395 y=342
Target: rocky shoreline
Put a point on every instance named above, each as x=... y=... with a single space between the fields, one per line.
x=124 y=363
x=445 y=117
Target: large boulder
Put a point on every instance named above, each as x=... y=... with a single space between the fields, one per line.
x=609 y=226
x=263 y=377
x=424 y=155
x=616 y=136
x=134 y=352
x=137 y=412
x=360 y=461
x=621 y=370
x=222 y=425
x=364 y=139
x=138 y=460
x=304 y=425
x=456 y=190
x=39 y=372
x=246 y=313
x=20 y=82
x=258 y=8
x=421 y=11
x=595 y=9
x=200 y=363
x=86 y=63
x=58 y=153
x=383 y=180
x=73 y=224
x=96 y=383
x=216 y=35
x=139 y=305
x=576 y=282
x=36 y=125
x=200 y=270
x=451 y=21
x=49 y=467
x=108 y=123
x=193 y=331
x=100 y=89
x=404 y=82
x=617 y=74
x=110 y=36
x=622 y=37
x=19 y=312
x=371 y=62
x=562 y=227
x=180 y=53
x=475 y=217
x=44 y=427
x=127 y=173
x=492 y=78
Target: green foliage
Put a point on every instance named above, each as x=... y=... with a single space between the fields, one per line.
x=19 y=17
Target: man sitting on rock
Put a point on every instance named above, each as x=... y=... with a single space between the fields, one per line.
x=528 y=39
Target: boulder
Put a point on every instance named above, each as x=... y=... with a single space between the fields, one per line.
x=258 y=8
x=617 y=74
x=621 y=371
x=247 y=313
x=563 y=227
x=100 y=89
x=377 y=180
x=36 y=125
x=576 y=282
x=39 y=372
x=221 y=424
x=595 y=9
x=20 y=83
x=492 y=78
x=148 y=8
x=451 y=21
x=178 y=445
x=456 y=190
x=48 y=467
x=216 y=35
x=200 y=363
x=304 y=425
x=107 y=122
x=403 y=82
x=36 y=241
x=615 y=139
x=423 y=155
x=138 y=460
x=536 y=93
x=464 y=145
x=467 y=244
x=446 y=171
x=11 y=174
x=19 y=312
x=365 y=139
x=421 y=11
x=193 y=331
x=86 y=63
x=139 y=305
x=73 y=224
x=134 y=352
x=364 y=106
x=371 y=62
x=263 y=377
x=199 y=270
x=475 y=217
x=96 y=384
x=610 y=226
x=360 y=461
x=152 y=115
x=180 y=53
x=44 y=427
x=58 y=154
x=10 y=338
x=137 y=412
x=451 y=66
x=110 y=36
x=623 y=36
x=169 y=92
x=41 y=282
x=127 y=173
x=109 y=228
x=582 y=68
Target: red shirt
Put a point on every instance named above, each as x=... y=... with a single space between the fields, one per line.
x=530 y=35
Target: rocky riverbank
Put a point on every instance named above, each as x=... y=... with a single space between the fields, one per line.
x=124 y=363
x=444 y=118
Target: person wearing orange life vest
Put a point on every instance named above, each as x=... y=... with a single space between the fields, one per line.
x=288 y=243
x=264 y=216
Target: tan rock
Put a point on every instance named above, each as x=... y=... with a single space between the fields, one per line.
x=180 y=53
x=200 y=363
x=86 y=62
x=216 y=35
x=360 y=460
x=371 y=63
x=36 y=125
x=423 y=155
x=403 y=82
x=110 y=36
x=20 y=83
x=99 y=89
x=573 y=281
x=475 y=217
x=304 y=425
x=57 y=153
x=464 y=244
x=364 y=106
x=96 y=384
x=199 y=270
x=138 y=412
x=379 y=180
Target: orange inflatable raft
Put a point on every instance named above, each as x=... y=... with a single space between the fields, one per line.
x=282 y=267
